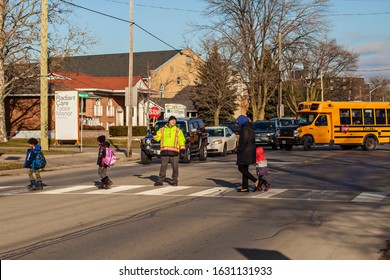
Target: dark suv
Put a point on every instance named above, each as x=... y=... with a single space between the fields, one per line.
x=196 y=140
x=265 y=133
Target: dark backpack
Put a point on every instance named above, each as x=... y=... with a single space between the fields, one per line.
x=39 y=161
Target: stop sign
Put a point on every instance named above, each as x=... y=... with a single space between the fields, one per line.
x=344 y=129
x=154 y=112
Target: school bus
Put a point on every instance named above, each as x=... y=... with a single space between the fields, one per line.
x=348 y=124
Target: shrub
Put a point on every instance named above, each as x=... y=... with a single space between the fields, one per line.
x=93 y=127
x=122 y=130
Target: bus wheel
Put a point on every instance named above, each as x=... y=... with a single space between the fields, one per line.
x=288 y=147
x=307 y=143
x=370 y=144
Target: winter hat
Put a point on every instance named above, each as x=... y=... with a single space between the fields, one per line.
x=172 y=118
x=101 y=138
x=242 y=119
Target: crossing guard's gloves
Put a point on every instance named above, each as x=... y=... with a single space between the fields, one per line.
x=182 y=154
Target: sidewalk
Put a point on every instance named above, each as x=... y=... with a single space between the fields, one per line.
x=63 y=161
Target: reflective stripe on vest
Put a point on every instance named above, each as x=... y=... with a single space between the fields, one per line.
x=173 y=148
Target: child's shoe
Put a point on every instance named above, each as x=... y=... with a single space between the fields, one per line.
x=39 y=185
x=266 y=186
x=31 y=185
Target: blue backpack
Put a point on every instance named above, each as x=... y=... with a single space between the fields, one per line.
x=39 y=161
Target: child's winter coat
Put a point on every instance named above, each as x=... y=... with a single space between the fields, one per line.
x=261 y=162
x=31 y=155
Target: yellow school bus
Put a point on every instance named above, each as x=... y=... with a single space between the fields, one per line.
x=348 y=124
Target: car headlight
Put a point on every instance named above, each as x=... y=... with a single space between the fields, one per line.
x=217 y=142
x=296 y=133
x=148 y=141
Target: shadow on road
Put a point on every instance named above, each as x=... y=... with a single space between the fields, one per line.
x=256 y=254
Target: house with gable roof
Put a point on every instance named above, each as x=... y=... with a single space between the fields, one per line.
x=157 y=76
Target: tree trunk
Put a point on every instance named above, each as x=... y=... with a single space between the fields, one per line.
x=3 y=129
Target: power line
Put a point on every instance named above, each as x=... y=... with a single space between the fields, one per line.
x=124 y=20
x=361 y=14
x=156 y=7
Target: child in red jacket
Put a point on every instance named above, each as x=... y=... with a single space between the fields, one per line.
x=261 y=170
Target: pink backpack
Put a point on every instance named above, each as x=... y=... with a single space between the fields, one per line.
x=110 y=158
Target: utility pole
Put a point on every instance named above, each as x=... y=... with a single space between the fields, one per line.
x=280 y=105
x=43 y=77
x=322 y=85
x=130 y=88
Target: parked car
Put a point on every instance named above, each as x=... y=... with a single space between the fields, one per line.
x=194 y=132
x=265 y=133
x=234 y=126
x=221 y=140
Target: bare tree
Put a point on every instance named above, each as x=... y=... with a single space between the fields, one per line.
x=305 y=65
x=216 y=95
x=379 y=88
x=252 y=27
x=20 y=42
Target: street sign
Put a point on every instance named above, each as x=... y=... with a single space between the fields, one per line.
x=83 y=95
x=154 y=112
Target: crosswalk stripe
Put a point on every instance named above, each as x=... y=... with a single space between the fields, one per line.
x=164 y=190
x=269 y=193
x=370 y=197
x=116 y=189
x=65 y=190
x=198 y=191
x=209 y=192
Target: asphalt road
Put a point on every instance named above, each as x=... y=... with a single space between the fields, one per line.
x=324 y=204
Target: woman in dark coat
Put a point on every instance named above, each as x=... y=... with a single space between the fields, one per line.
x=246 y=151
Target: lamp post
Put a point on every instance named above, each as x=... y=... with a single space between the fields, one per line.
x=371 y=91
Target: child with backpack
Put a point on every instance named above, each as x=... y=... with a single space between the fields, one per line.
x=261 y=170
x=106 y=159
x=35 y=161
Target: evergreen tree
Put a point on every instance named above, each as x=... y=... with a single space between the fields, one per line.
x=215 y=97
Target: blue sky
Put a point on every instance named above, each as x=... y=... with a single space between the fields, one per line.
x=359 y=25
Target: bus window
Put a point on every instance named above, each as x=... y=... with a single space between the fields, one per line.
x=368 y=116
x=357 y=116
x=306 y=119
x=388 y=116
x=322 y=121
x=380 y=116
x=344 y=116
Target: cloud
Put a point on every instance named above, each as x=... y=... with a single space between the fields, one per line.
x=374 y=48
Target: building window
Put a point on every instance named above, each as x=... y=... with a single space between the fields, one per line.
x=188 y=60
x=110 y=108
x=178 y=81
x=97 y=109
x=197 y=81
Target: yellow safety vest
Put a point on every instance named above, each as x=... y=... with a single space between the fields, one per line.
x=172 y=139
